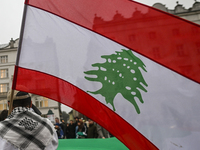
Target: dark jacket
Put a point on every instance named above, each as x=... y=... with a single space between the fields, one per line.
x=92 y=131
x=71 y=131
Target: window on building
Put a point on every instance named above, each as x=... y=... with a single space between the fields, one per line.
x=45 y=101
x=3 y=104
x=4 y=59
x=42 y=102
x=3 y=73
x=4 y=87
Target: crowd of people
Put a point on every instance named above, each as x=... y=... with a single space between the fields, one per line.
x=72 y=130
x=80 y=129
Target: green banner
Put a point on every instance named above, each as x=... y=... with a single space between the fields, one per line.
x=91 y=144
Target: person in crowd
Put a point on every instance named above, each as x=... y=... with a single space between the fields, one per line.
x=24 y=129
x=76 y=124
x=59 y=132
x=87 y=123
x=57 y=121
x=58 y=128
x=63 y=126
x=102 y=132
x=71 y=130
x=76 y=121
x=81 y=130
x=84 y=124
x=92 y=130
x=67 y=131
x=3 y=114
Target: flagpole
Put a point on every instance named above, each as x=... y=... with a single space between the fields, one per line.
x=17 y=59
x=11 y=102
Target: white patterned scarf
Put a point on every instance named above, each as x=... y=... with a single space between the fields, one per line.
x=26 y=130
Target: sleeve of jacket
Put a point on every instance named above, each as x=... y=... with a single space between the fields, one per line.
x=95 y=132
x=99 y=131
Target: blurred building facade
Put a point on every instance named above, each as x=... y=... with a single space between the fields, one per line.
x=191 y=14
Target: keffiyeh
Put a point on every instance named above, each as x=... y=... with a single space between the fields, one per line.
x=26 y=130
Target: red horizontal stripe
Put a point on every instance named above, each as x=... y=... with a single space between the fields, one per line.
x=165 y=39
x=68 y=94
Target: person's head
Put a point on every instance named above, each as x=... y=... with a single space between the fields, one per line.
x=62 y=120
x=78 y=123
x=76 y=118
x=90 y=121
x=57 y=120
x=3 y=114
x=80 y=120
x=71 y=121
x=20 y=99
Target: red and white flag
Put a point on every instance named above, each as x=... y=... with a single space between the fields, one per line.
x=129 y=67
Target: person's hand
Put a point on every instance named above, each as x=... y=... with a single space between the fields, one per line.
x=103 y=137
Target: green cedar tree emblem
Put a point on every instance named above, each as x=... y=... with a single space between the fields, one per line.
x=120 y=74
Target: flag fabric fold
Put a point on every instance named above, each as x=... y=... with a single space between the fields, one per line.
x=129 y=67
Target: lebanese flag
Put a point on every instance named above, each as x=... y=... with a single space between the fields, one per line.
x=131 y=68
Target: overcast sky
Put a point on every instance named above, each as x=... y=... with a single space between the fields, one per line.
x=11 y=16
